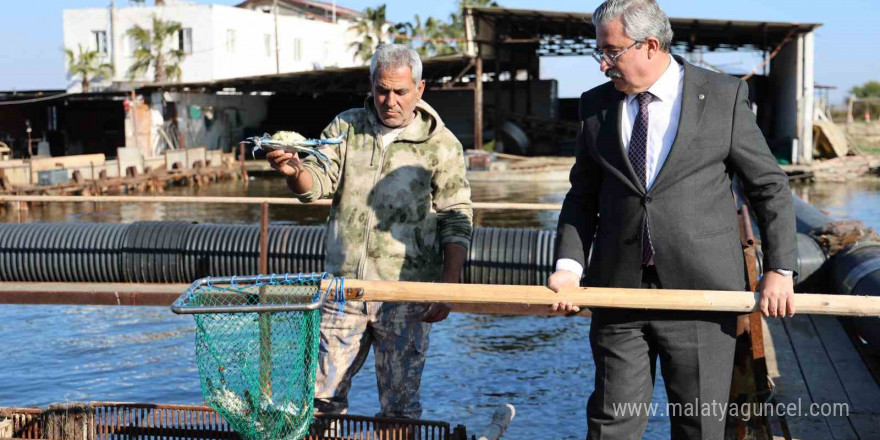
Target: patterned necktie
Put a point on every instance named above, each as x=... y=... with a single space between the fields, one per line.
x=638 y=153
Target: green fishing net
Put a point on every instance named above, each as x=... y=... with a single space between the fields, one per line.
x=257 y=350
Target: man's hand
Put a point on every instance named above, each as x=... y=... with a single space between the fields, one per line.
x=291 y=167
x=562 y=279
x=285 y=163
x=777 y=295
x=453 y=260
x=436 y=312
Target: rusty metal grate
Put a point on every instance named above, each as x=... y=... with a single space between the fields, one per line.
x=27 y=423
x=125 y=420
x=120 y=420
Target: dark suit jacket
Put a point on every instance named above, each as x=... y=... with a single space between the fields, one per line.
x=690 y=206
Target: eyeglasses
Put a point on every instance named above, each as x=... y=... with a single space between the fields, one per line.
x=600 y=55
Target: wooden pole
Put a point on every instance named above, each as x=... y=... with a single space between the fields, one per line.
x=501 y=419
x=659 y=299
x=22 y=212
x=498 y=114
x=478 y=103
x=264 y=238
x=479 y=295
x=134 y=134
x=275 y=17
x=242 y=158
x=265 y=319
x=849 y=109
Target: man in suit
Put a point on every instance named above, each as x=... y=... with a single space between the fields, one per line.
x=651 y=196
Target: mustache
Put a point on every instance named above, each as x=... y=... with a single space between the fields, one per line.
x=613 y=73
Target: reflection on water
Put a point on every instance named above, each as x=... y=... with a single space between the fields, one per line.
x=525 y=192
x=858 y=200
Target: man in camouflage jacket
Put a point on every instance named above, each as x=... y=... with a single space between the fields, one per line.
x=401 y=211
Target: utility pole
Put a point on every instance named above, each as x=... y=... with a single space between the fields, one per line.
x=113 y=39
x=277 y=59
x=334 y=11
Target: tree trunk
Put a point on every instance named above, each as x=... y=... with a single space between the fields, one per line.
x=85 y=83
x=160 y=69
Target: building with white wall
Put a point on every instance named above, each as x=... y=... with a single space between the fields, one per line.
x=220 y=42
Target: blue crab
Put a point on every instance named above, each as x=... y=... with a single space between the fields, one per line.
x=294 y=143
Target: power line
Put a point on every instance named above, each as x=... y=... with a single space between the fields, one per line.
x=33 y=100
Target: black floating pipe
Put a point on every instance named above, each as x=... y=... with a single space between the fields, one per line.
x=853 y=271
x=179 y=252
x=808 y=216
x=857 y=272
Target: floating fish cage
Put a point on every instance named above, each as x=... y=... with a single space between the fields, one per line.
x=122 y=420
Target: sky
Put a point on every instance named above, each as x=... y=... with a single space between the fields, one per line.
x=846 y=45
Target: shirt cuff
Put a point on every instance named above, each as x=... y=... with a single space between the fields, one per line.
x=570 y=265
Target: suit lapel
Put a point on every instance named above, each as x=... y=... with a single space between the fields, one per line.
x=611 y=149
x=693 y=104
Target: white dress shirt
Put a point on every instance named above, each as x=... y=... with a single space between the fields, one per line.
x=664 y=112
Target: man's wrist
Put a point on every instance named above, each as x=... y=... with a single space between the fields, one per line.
x=784 y=272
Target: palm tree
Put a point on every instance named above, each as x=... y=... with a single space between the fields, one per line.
x=412 y=34
x=373 y=30
x=453 y=31
x=153 y=49
x=435 y=37
x=88 y=65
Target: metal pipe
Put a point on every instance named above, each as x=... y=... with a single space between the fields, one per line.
x=808 y=216
x=856 y=271
x=264 y=238
x=478 y=103
x=241 y=201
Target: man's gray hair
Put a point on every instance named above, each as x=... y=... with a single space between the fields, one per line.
x=393 y=56
x=641 y=19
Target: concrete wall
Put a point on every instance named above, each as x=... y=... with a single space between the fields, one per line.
x=304 y=44
x=197 y=66
x=224 y=120
x=455 y=107
x=791 y=88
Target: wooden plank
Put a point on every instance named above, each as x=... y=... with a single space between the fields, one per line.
x=77 y=161
x=123 y=294
x=82 y=161
x=859 y=384
x=822 y=381
x=866 y=425
x=790 y=386
x=534 y=296
x=659 y=299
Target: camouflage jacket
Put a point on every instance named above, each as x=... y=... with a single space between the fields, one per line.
x=394 y=206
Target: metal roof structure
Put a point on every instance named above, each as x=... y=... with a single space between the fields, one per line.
x=435 y=71
x=572 y=33
x=551 y=33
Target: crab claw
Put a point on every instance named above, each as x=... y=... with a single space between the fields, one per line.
x=323 y=161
